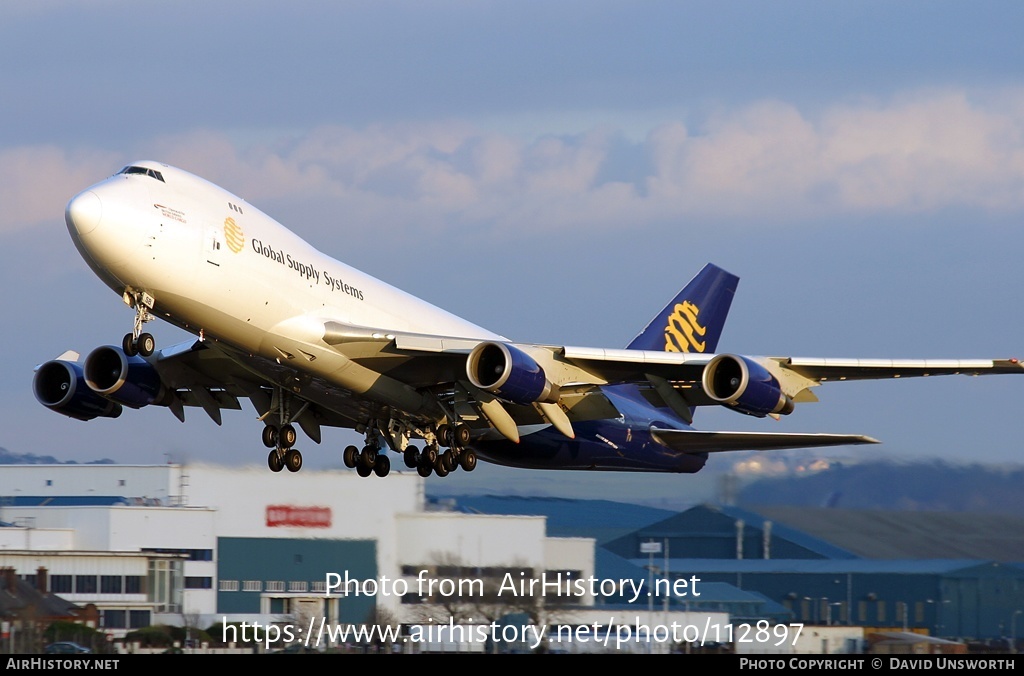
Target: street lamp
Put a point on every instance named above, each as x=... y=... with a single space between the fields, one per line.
x=1013 y=630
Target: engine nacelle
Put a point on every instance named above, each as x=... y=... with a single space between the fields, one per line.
x=509 y=373
x=745 y=385
x=60 y=386
x=131 y=381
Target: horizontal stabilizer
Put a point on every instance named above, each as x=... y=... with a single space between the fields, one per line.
x=699 y=441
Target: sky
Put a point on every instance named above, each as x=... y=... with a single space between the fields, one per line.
x=554 y=172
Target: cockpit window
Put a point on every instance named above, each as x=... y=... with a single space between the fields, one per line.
x=146 y=172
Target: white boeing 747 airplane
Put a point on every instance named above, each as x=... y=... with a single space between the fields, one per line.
x=312 y=342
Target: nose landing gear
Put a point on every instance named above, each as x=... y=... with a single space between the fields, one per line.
x=138 y=342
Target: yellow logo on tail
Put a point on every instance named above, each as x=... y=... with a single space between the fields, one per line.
x=233 y=235
x=682 y=330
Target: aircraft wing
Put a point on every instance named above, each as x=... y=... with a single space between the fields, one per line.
x=794 y=376
x=755 y=385
x=685 y=371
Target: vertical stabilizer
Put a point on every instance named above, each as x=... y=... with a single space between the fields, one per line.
x=693 y=320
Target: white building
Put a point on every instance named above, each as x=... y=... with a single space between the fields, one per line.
x=153 y=543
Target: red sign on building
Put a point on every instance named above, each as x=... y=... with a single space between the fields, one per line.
x=298 y=517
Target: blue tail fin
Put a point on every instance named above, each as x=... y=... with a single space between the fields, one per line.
x=693 y=321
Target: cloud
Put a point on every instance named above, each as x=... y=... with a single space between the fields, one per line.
x=766 y=161
x=36 y=182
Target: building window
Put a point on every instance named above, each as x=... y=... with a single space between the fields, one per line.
x=164 y=585
x=319 y=586
x=228 y=585
x=49 y=482
x=85 y=584
x=110 y=584
x=137 y=619
x=198 y=583
x=252 y=585
x=298 y=586
x=275 y=585
x=113 y=619
x=61 y=584
x=133 y=584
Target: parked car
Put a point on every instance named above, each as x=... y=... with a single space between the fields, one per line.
x=66 y=648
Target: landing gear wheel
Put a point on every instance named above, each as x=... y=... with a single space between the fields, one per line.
x=287 y=436
x=439 y=468
x=363 y=470
x=424 y=470
x=293 y=460
x=351 y=456
x=274 y=461
x=368 y=457
x=270 y=436
x=382 y=466
x=128 y=345
x=468 y=460
x=444 y=434
x=411 y=457
x=461 y=435
x=145 y=344
x=429 y=455
x=447 y=460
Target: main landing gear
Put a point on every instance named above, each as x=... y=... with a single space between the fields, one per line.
x=282 y=454
x=281 y=437
x=433 y=461
x=138 y=342
x=368 y=461
x=373 y=459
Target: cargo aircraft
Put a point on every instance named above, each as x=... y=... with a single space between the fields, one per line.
x=312 y=342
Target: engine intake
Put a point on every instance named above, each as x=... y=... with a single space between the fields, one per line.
x=509 y=373
x=131 y=381
x=60 y=386
x=745 y=385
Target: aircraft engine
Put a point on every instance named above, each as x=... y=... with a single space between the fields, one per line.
x=131 y=381
x=60 y=386
x=745 y=385
x=509 y=373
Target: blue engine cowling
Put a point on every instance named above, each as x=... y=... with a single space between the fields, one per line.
x=509 y=373
x=131 y=381
x=745 y=386
x=60 y=386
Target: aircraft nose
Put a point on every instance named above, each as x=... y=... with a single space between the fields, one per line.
x=84 y=212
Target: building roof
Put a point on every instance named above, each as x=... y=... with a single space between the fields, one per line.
x=602 y=520
x=823 y=566
x=63 y=500
x=880 y=534
x=18 y=596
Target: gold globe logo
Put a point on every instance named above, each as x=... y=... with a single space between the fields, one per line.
x=683 y=332
x=233 y=235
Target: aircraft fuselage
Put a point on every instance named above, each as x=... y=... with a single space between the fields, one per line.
x=220 y=268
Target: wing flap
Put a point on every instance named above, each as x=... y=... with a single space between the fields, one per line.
x=700 y=441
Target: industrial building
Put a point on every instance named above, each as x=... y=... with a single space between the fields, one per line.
x=198 y=544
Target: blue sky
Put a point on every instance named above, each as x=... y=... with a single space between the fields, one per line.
x=554 y=172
